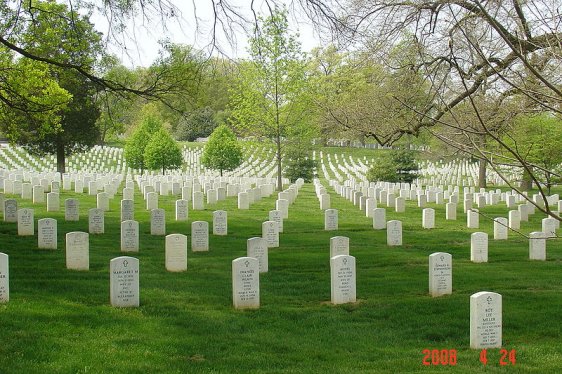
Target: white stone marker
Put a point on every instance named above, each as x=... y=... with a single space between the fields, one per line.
x=26 y=191
x=47 y=233
x=176 y=252
x=500 y=228
x=124 y=282
x=523 y=212
x=440 y=274
x=479 y=247
x=103 y=201
x=157 y=222
x=451 y=211
x=127 y=210
x=53 y=202
x=79 y=186
x=245 y=283
x=343 y=279
x=330 y=219
x=38 y=194
x=400 y=205
x=243 y=202
x=339 y=245
x=182 y=210
x=211 y=196
x=283 y=206
x=10 y=210
x=485 y=320
x=270 y=232
x=370 y=206
x=26 y=222
x=77 y=250
x=197 y=203
x=200 y=236
x=394 y=233
x=472 y=219
x=128 y=193
x=257 y=248
x=514 y=220
x=537 y=246
x=71 y=210
x=324 y=201
x=549 y=227
x=96 y=221
x=220 y=222
x=428 y=218
x=4 y=278
x=379 y=219
x=277 y=216
x=129 y=236
x=151 y=201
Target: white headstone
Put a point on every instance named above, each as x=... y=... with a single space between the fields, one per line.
x=38 y=194
x=77 y=251
x=270 y=232
x=71 y=210
x=245 y=283
x=151 y=201
x=472 y=219
x=103 y=201
x=277 y=216
x=343 y=279
x=128 y=194
x=440 y=274
x=47 y=233
x=339 y=245
x=479 y=247
x=523 y=212
x=53 y=202
x=257 y=248
x=514 y=220
x=283 y=206
x=400 y=205
x=211 y=196
x=26 y=222
x=220 y=222
x=428 y=218
x=96 y=221
x=176 y=252
x=4 y=278
x=182 y=210
x=243 y=202
x=330 y=219
x=324 y=201
x=451 y=211
x=199 y=236
x=485 y=320
x=379 y=219
x=197 y=203
x=10 y=210
x=157 y=222
x=127 y=210
x=537 y=246
x=394 y=233
x=549 y=227
x=124 y=282
x=129 y=236
x=370 y=206
x=500 y=228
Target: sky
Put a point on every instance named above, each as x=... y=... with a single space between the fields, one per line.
x=141 y=43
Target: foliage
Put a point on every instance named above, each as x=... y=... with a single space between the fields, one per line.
x=137 y=142
x=200 y=123
x=394 y=166
x=162 y=152
x=300 y=167
x=271 y=96
x=222 y=152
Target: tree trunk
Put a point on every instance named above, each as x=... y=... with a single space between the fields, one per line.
x=221 y=172
x=61 y=164
x=527 y=182
x=482 y=165
x=279 y=170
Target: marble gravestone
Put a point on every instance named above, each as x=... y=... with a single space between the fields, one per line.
x=330 y=219
x=129 y=236
x=283 y=206
x=243 y=202
x=479 y=247
x=277 y=216
x=103 y=201
x=485 y=320
x=270 y=232
x=53 y=202
x=4 y=278
x=500 y=228
x=343 y=279
x=47 y=233
x=182 y=210
x=127 y=210
x=124 y=282
x=96 y=221
x=537 y=246
x=394 y=233
x=472 y=219
x=26 y=222
x=339 y=245
x=200 y=236
x=197 y=203
x=77 y=250
x=72 y=210
x=514 y=219
x=379 y=219
x=245 y=283
x=220 y=222
x=10 y=210
x=257 y=248
x=451 y=211
x=151 y=200
x=176 y=252
x=440 y=274
x=428 y=218
x=157 y=222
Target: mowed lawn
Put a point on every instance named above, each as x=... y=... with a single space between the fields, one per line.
x=61 y=321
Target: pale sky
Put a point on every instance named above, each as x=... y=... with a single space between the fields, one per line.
x=196 y=32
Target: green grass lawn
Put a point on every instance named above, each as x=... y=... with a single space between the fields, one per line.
x=61 y=321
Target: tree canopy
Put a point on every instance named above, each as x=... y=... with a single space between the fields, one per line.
x=222 y=151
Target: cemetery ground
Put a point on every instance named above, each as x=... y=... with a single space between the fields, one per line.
x=61 y=321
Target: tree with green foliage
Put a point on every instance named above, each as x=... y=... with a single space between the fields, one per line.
x=138 y=141
x=162 y=152
x=394 y=166
x=222 y=152
x=271 y=95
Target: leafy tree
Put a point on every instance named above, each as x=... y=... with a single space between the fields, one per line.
x=138 y=141
x=394 y=166
x=271 y=97
x=162 y=152
x=198 y=124
x=222 y=152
